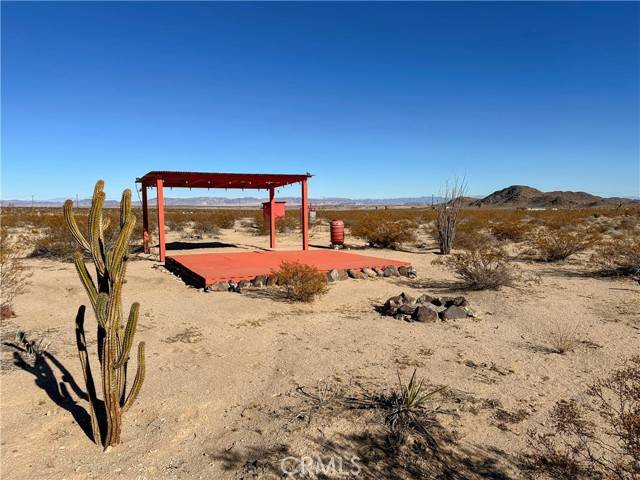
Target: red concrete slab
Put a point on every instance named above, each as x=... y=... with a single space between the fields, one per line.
x=206 y=268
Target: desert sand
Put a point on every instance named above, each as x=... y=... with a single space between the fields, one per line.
x=220 y=400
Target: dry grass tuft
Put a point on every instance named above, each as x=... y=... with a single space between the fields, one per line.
x=563 y=338
x=302 y=283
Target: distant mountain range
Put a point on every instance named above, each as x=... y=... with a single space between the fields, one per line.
x=515 y=196
x=243 y=202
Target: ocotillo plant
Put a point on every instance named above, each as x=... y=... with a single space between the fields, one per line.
x=114 y=339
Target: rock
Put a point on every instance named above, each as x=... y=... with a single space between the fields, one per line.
x=259 y=281
x=356 y=274
x=425 y=314
x=243 y=284
x=379 y=272
x=406 y=309
x=454 y=313
x=424 y=299
x=219 y=287
x=470 y=313
x=460 y=302
x=406 y=298
x=332 y=275
x=407 y=271
x=335 y=275
x=390 y=271
x=369 y=273
x=392 y=304
x=272 y=281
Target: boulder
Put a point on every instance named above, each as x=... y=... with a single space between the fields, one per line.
x=259 y=281
x=455 y=301
x=425 y=298
x=356 y=274
x=454 y=313
x=219 y=287
x=390 y=271
x=407 y=271
x=378 y=272
x=369 y=273
x=244 y=284
x=406 y=309
x=406 y=298
x=392 y=304
x=425 y=314
x=332 y=275
x=272 y=281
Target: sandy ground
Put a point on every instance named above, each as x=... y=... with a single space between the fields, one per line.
x=222 y=368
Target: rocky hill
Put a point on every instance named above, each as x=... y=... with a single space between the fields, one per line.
x=527 y=197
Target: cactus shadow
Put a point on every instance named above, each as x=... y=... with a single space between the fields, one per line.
x=58 y=390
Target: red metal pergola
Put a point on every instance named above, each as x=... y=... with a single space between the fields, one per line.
x=256 y=181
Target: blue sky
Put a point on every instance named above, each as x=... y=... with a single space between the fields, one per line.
x=375 y=99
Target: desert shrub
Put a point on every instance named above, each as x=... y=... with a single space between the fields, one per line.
x=205 y=229
x=55 y=242
x=289 y=223
x=447 y=216
x=302 y=283
x=619 y=256
x=483 y=268
x=555 y=245
x=597 y=436
x=379 y=230
x=513 y=228
x=13 y=275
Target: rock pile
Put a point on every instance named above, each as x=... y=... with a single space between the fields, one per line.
x=426 y=308
x=334 y=275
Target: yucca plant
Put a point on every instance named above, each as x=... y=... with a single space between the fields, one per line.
x=114 y=338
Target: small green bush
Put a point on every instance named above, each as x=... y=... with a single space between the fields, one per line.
x=302 y=283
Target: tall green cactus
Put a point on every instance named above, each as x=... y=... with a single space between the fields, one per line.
x=114 y=338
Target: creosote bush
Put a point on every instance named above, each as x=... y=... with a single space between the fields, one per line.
x=483 y=268
x=596 y=436
x=13 y=274
x=556 y=245
x=619 y=257
x=301 y=283
x=382 y=231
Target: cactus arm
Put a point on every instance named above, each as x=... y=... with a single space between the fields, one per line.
x=72 y=225
x=95 y=232
x=81 y=343
x=85 y=278
x=137 y=382
x=118 y=253
x=130 y=331
x=125 y=207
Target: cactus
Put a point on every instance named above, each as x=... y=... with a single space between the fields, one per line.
x=114 y=338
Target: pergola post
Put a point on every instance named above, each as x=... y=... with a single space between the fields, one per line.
x=160 y=200
x=304 y=210
x=145 y=219
x=272 y=218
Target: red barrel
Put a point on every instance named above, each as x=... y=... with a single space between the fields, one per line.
x=337 y=232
